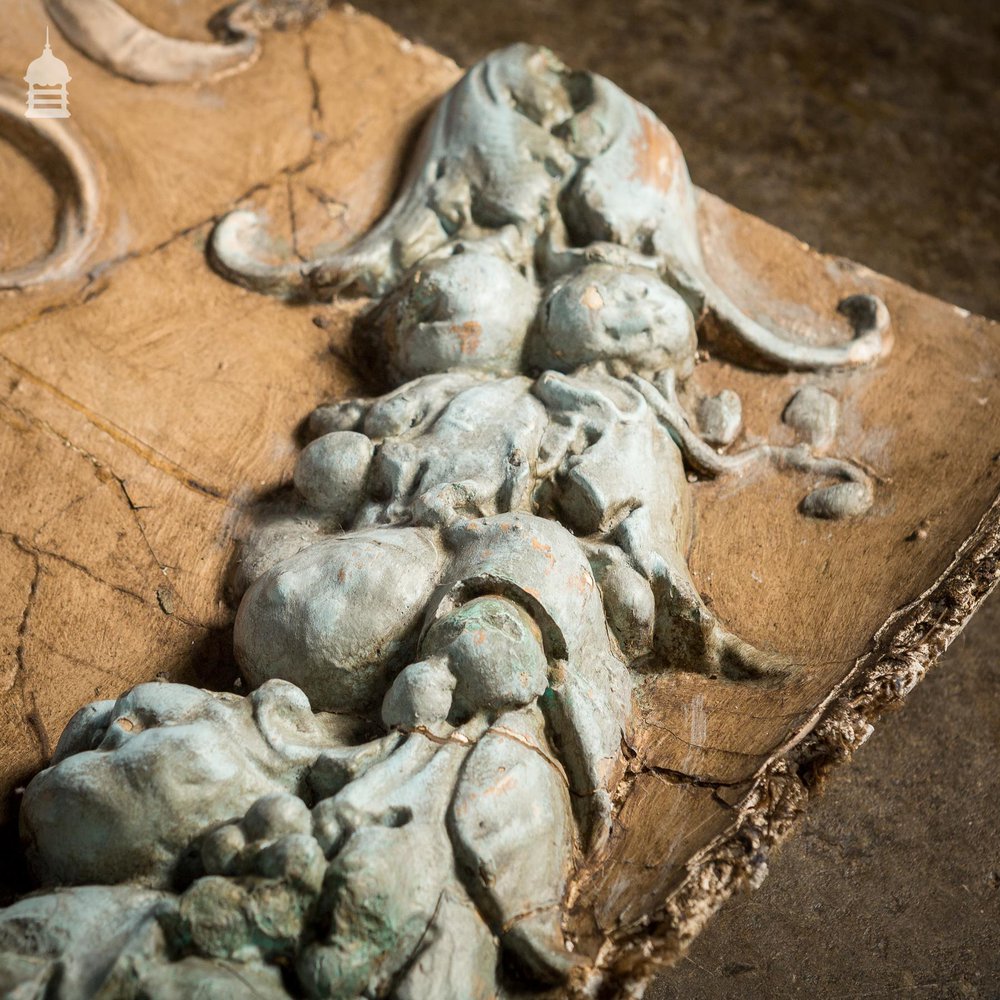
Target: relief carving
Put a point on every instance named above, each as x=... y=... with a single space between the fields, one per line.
x=441 y=624
x=54 y=148
x=111 y=36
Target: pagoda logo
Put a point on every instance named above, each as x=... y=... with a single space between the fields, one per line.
x=47 y=79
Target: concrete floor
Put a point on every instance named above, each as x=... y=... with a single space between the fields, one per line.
x=868 y=129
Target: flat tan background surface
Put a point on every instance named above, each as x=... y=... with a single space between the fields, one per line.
x=868 y=129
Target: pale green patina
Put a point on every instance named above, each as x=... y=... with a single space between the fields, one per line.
x=440 y=625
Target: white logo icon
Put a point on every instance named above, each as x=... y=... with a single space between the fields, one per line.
x=47 y=78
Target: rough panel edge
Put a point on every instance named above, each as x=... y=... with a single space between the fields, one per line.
x=900 y=655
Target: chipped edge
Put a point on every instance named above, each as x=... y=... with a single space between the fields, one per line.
x=900 y=654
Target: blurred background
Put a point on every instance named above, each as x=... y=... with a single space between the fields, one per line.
x=868 y=128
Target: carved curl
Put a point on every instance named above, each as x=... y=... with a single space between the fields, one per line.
x=56 y=150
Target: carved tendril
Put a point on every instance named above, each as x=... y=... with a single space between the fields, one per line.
x=849 y=498
x=111 y=36
x=61 y=155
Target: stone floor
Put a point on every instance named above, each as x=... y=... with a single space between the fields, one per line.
x=868 y=128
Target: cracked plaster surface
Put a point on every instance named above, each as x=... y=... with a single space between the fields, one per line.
x=60 y=400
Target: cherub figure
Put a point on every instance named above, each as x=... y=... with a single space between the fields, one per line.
x=473 y=565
